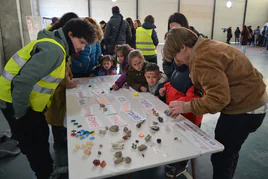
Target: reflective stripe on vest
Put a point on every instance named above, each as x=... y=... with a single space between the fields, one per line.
x=43 y=89
x=144 y=41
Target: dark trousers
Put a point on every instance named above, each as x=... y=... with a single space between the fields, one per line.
x=232 y=131
x=32 y=132
x=151 y=59
x=228 y=40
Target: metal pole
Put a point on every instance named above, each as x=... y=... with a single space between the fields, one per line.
x=88 y=2
x=245 y=12
x=179 y=5
x=213 y=19
x=137 y=9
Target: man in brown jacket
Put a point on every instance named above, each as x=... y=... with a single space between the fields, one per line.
x=230 y=84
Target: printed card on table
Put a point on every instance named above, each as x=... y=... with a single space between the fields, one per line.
x=134 y=115
x=126 y=107
x=102 y=79
x=146 y=104
x=98 y=92
x=82 y=94
x=102 y=100
x=116 y=120
x=121 y=99
x=110 y=110
x=94 y=122
x=82 y=102
x=86 y=111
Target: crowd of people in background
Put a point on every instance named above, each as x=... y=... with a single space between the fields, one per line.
x=247 y=36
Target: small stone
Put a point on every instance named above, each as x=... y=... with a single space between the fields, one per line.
x=136 y=94
x=73 y=130
x=89 y=85
x=76 y=123
x=114 y=128
x=102 y=105
x=155 y=123
x=101 y=145
x=118 y=154
x=155 y=128
x=77 y=146
x=142 y=147
x=142 y=155
x=127 y=160
x=87 y=152
x=128 y=133
x=96 y=162
x=105 y=109
x=89 y=143
x=119 y=160
x=89 y=146
x=176 y=138
x=102 y=92
x=125 y=137
x=83 y=146
x=141 y=135
x=111 y=89
x=117 y=146
x=79 y=126
x=103 y=132
x=160 y=119
x=125 y=129
x=148 y=138
x=106 y=128
x=103 y=164
x=158 y=141
x=134 y=146
x=92 y=138
x=99 y=152
x=140 y=123
x=136 y=141
x=73 y=120
x=167 y=112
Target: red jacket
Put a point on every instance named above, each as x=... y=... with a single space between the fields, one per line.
x=172 y=94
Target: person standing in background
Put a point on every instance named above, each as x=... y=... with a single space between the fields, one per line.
x=244 y=38
x=137 y=23
x=117 y=31
x=229 y=35
x=104 y=42
x=237 y=35
x=257 y=33
x=251 y=36
x=147 y=40
x=131 y=42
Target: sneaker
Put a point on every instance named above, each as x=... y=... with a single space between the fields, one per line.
x=8 y=147
x=171 y=173
x=58 y=172
x=169 y=166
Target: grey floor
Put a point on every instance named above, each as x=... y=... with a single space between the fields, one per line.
x=253 y=162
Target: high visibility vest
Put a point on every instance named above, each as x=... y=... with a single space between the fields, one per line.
x=49 y=27
x=43 y=90
x=144 y=41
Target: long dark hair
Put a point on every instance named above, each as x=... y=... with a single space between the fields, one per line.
x=124 y=49
x=130 y=22
x=178 y=18
x=63 y=20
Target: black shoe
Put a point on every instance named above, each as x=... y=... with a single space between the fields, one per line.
x=8 y=147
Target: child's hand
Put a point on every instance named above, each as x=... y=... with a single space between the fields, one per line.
x=71 y=85
x=162 y=91
x=143 y=89
x=115 y=87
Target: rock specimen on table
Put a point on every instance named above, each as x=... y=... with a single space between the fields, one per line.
x=128 y=133
x=127 y=160
x=103 y=164
x=134 y=146
x=155 y=123
x=77 y=146
x=140 y=123
x=142 y=147
x=148 y=138
x=106 y=128
x=102 y=105
x=158 y=141
x=118 y=154
x=119 y=160
x=125 y=137
x=155 y=113
x=117 y=146
x=96 y=162
x=114 y=128
x=125 y=129
x=103 y=132
x=87 y=152
x=104 y=109
x=167 y=112
x=160 y=119
x=99 y=152
x=155 y=128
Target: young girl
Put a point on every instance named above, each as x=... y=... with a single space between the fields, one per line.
x=107 y=66
x=135 y=71
x=122 y=52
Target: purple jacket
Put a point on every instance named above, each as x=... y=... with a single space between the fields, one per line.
x=122 y=79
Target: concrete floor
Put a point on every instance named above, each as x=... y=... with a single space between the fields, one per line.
x=253 y=155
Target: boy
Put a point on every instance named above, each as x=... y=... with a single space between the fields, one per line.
x=27 y=84
x=154 y=78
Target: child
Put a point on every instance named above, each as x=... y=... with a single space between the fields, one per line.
x=107 y=66
x=155 y=79
x=180 y=88
x=122 y=52
x=135 y=71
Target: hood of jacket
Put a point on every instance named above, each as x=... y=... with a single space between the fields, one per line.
x=148 y=25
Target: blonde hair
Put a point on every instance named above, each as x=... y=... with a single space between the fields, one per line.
x=133 y=54
x=98 y=29
x=176 y=38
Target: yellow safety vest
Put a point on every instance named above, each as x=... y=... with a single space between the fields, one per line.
x=144 y=41
x=49 y=27
x=42 y=91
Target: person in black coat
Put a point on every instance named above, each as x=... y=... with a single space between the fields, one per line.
x=131 y=42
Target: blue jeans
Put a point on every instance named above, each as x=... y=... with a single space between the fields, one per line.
x=244 y=49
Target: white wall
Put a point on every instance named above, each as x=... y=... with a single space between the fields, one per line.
x=257 y=13
x=199 y=14
x=51 y=8
x=102 y=9
x=228 y=17
x=160 y=10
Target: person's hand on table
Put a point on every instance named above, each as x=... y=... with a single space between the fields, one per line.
x=143 y=89
x=115 y=87
x=162 y=91
x=176 y=108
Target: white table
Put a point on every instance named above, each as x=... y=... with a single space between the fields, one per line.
x=194 y=142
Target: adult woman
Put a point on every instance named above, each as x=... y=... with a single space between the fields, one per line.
x=84 y=63
x=230 y=84
x=137 y=23
x=131 y=42
x=245 y=36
